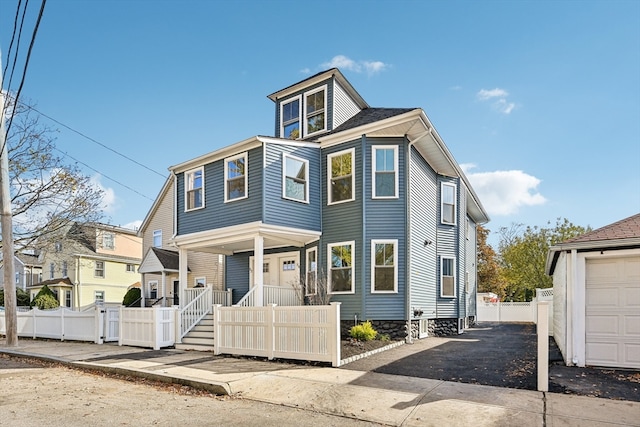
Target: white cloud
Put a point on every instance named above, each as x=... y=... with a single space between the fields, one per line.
x=133 y=225
x=505 y=192
x=109 y=199
x=346 y=63
x=498 y=99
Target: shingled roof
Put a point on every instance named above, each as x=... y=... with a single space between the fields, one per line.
x=170 y=260
x=627 y=228
x=367 y=116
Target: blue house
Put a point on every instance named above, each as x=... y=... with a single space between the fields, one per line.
x=362 y=205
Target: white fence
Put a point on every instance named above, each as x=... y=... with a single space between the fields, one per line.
x=301 y=332
x=147 y=327
x=60 y=323
x=515 y=311
x=272 y=295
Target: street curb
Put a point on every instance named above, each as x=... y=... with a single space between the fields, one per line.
x=370 y=353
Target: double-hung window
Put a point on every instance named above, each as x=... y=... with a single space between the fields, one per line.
x=341 y=179
x=99 y=269
x=448 y=203
x=108 y=241
x=384 y=262
x=52 y=270
x=295 y=179
x=98 y=297
x=447 y=277
x=235 y=177
x=385 y=172
x=194 y=189
x=64 y=269
x=311 y=282
x=315 y=119
x=341 y=267
x=290 y=119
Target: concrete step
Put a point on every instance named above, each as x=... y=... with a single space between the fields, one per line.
x=194 y=333
x=194 y=347
x=198 y=341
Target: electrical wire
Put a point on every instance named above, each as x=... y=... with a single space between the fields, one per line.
x=13 y=36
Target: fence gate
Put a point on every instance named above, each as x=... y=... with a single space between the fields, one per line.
x=111 y=324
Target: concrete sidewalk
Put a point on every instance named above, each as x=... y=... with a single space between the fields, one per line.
x=379 y=398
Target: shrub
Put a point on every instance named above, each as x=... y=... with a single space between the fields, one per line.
x=22 y=298
x=363 y=332
x=45 y=301
x=132 y=298
x=44 y=291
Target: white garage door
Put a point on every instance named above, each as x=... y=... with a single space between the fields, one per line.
x=613 y=312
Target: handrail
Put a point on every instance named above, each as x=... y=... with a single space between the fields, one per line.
x=194 y=311
x=271 y=295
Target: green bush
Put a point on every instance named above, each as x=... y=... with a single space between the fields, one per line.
x=45 y=291
x=45 y=301
x=22 y=298
x=363 y=332
x=132 y=298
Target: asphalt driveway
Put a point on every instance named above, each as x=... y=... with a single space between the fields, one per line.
x=502 y=355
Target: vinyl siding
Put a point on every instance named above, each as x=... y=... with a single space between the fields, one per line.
x=384 y=219
x=162 y=219
x=236 y=274
x=471 y=262
x=343 y=222
x=286 y=212
x=216 y=213
x=343 y=106
x=424 y=212
x=448 y=245
x=559 y=308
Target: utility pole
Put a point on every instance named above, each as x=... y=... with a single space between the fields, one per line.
x=6 y=222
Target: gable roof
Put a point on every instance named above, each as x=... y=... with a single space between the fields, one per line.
x=157 y=260
x=623 y=234
x=368 y=116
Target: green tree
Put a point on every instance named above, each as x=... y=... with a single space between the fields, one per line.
x=490 y=277
x=45 y=298
x=22 y=297
x=132 y=298
x=523 y=254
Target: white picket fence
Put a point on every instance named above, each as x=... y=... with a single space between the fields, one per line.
x=299 y=332
x=147 y=327
x=60 y=323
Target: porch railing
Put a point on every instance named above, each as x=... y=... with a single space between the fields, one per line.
x=199 y=306
x=224 y=298
x=272 y=295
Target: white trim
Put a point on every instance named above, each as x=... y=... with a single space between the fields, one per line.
x=455 y=202
x=351 y=243
x=315 y=271
x=393 y=242
x=374 y=149
x=284 y=177
x=324 y=111
x=300 y=110
x=244 y=156
x=201 y=278
x=188 y=187
x=455 y=293
x=150 y=284
x=157 y=233
x=352 y=152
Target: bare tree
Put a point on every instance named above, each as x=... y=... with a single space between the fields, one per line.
x=312 y=288
x=47 y=193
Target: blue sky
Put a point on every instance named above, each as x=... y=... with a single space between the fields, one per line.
x=539 y=101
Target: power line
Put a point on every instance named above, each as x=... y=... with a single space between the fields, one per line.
x=96 y=142
x=109 y=178
x=26 y=65
x=13 y=36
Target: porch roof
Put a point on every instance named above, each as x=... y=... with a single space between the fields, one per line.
x=158 y=260
x=241 y=238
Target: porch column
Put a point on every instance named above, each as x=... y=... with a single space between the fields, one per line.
x=258 y=276
x=164 y=288
x=182 y=274
x=142 y=290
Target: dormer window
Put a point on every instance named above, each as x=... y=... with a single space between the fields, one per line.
x=315 y=111
x=290 y=112
x=313 y=103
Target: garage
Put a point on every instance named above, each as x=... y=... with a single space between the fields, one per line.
x=596 y=296
x=612 y=312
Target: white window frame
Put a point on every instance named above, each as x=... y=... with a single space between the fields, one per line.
x=442 y=276
x=311 y=270
x=442 y=202
x=108 y=240
x=200 y=280
x=352 y=153
x=153 y=284
x=282 y=123
x=130 y=268
x=68 y=302
x=65 y=270
x=96 y=270
x=395 y=266
x=245 y=176
x=52 y=270
x=315 y=113
x=286 y=156
x=189 y=188
x=99 y=300
x=374 y=170
x=157 y=238
x=330 y=246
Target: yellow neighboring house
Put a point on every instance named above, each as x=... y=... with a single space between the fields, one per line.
x=92 y=263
